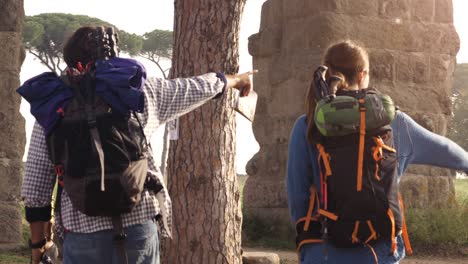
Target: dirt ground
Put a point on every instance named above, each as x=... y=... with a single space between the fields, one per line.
x=419 y=260
x=289 y=257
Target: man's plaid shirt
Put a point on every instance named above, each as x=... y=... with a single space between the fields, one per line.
x=165 y=100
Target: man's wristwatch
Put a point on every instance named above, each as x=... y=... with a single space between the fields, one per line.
x=37 y=245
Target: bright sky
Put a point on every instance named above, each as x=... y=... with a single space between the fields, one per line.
x=150 y=14
x=140 y=16
x=460 y=9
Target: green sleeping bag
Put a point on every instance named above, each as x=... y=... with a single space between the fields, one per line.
x=340 y=116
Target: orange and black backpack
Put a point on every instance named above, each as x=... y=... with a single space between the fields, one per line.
x=356 y=200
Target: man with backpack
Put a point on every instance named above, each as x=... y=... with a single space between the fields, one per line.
x=92 y=136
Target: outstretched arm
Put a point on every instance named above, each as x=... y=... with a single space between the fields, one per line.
x=417 y=145
x=169 y=99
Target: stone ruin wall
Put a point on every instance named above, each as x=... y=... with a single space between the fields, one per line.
x=12 y=133
x=412 y=46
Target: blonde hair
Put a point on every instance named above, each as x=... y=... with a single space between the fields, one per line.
x=345 y=59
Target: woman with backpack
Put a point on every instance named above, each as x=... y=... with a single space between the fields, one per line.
x=344 y=165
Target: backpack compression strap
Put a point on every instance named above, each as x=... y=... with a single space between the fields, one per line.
x=312 y=200
x=393 y=234
x=98 y=146
x=377 y=154
x=308 y=227
x=90 y=86
x=119 y=239
x=404 y=229
x=362 y=139
x=325 y=158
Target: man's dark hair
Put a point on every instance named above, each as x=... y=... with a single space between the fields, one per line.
x=81 y=47
x=89 y=44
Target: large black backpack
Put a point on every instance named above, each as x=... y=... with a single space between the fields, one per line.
x=360 y=202
x=356 y=200
x=100 y=154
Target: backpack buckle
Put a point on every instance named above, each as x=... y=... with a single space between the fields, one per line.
x=119 y=238
x=91 y=122
x=90 y=116
x=324 y=227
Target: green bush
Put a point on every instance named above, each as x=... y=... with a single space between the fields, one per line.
x=461 y=191
x=257 y=232
x=441 y=231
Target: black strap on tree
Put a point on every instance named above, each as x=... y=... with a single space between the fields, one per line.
x=119 y=239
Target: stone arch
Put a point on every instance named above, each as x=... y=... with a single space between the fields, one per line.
x=12 y=131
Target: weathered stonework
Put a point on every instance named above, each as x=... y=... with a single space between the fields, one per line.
x=412 y=47
x=12 y=132
x=421 y=191
x=10 y=228
x=12 y=15
x=260 y=258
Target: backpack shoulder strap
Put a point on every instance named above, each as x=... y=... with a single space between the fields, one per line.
x=119 y=239
x=74 y=87
x=85 y=94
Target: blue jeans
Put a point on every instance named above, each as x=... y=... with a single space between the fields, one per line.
x=142 y=246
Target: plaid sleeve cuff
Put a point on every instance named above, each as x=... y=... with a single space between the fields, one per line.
x=221 y=76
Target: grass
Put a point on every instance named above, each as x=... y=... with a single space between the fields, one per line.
x=441 y=231
x=15 y=257
x=461 y=190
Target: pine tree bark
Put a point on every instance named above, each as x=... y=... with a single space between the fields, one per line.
x=201 y=168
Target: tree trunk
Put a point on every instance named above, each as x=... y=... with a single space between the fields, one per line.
x=202 y=180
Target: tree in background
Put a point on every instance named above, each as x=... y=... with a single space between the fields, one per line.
x=458 y=129
x=203 y=184
x=44 y=36
x=157 y=45
x=130 y=43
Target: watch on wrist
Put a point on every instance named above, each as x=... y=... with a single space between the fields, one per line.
x=37 y=245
